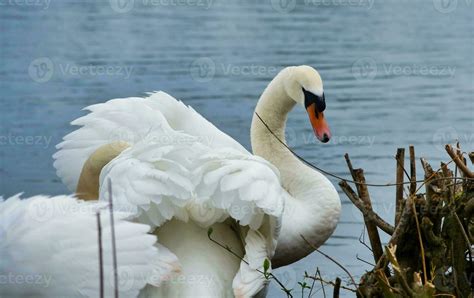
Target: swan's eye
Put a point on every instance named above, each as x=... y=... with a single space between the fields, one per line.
x=319 y=101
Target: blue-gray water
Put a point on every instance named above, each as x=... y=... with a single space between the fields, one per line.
x=395 y=73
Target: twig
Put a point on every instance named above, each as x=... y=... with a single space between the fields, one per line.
x=284 y=289
x=352 y=171
x=448 y=173
x=364 y=196
x=381 y=223
x=114 y=247
x=322 y=284
x=412 y=171
x=431 y=180
x=422 y=249
x=364 y=261
x=362 y=239
x=332 y=284
x=399 y=230
x=400 y=179
x=463 y=231
x=337 y=287
x=331 y=259
x=314 y=281
x=461 y=165
x=101 y=258
x=372 y=231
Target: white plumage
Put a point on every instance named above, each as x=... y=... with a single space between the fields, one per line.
x=169 y=172
x=183 y=175
x=49 y=248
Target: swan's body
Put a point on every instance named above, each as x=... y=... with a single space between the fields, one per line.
x=179 y=173
x=49 y=248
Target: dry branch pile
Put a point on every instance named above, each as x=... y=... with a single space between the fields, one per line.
x=429 y=253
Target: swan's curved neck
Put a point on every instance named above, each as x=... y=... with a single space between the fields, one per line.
x=313 y=206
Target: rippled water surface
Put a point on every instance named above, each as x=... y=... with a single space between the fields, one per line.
x=395 y=73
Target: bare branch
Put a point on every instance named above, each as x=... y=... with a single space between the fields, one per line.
x=461 y=165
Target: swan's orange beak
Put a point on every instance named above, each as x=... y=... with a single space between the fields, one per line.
x=319 y=123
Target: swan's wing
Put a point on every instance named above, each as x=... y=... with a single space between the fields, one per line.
x=51 y=246
x=153 y=182
x=250 y=278
x=179 y=166
x=133 y=120
x=246 y=187
x=193 y=182
x=177 y=159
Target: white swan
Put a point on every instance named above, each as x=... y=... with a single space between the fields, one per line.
x=178 y=172
x=49 y=248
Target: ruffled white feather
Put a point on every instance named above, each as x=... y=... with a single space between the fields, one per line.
x=179 y=166
x=49 y=248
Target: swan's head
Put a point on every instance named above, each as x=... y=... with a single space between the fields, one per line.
x=304 y=85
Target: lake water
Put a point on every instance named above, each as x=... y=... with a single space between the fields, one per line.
x=395 y=73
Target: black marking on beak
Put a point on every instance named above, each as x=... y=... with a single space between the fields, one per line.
x=319 y=101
